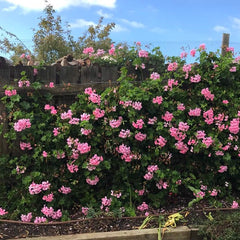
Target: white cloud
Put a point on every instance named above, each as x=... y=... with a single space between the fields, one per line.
x=102 y=14
x=236 y=23
x=219 y=28
x=81 y=23
x=38 y=5
x=132 y=23
x=9 y=9
x=119 y=28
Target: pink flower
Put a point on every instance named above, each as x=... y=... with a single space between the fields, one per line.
x=222 y=169
x=172 y=66
x=72 y=167
x=35 y=188
x=35 y=72
x=98 y=113
x=48 y=198
x=22 y=124
x=183 y=54
x=195 y=79
x=207 y=94
x=85 y=117
x=199 y=194
x=143 y=53
x=74 y=121
x=158 y=100
x=183 y=126
x=214 y=193
x=88 y=50
x=26 y=218
x=155 y=76
x=138 y=124
x=44 y=154
x=148 y=176
x=234 y=204
x=51 y=84
x=95 y=160
x=152 y=121
x=208 y=141
x=195 y=112
x=143 y=207
x=140 y=136
x=234 y=126
x=56 y=131
x=65 y=190
x=89 y=91
x=201 y=134
x=225 y=101
x=162 y=185
x=95 y=98
x=167 y=117
x=66 y=115
x=83 y=148
x=40 y=220
x=3 y=211
x=152 y=168
x=233 y=69
x=92 y=181
x=23 y=55
x=182 y=147
x=10 y=93
x=193 y=52
x=85 y=131
x=85 y=210
x=45 y=185
x=181 y=107
x=111 y=51
x=124 y=133
x=202 y=46
x=137 y=105
x=25 y=146
x=161 y=141
x=115 y=123
x=187 y=68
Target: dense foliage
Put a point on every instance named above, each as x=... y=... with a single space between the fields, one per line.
x=127 y=148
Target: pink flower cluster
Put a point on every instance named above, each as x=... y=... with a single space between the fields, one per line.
x=39 y=220
x=22 y=124
x=207 y=94
x=124 y=133
x=143 y=53
x=135 y=105
x=49 y=212
x=48 y=198
x=195 y=79
x=160 y=141
x=143 y=207
x=106 y=203
x=162 y=185
x=167 y=116
x=158 y=100
x=65 y=190
x=72 y=167
x=209 y=116
x=187 y=68
x=3 y=212
x=35 y=188
x=85 y=210
x=95 y=160
x=138 y=124
x=98 y=113
x=171 y=83
x=234 y=126
x=52 y=108
x=194 y=112
x=182 y=147
x=115 y=123
x=25 y=146
x=127 y=155
x=26 y=218
x=10 y=93
x=154 y=76
x=172 y=66
x=92 y=181
x=88 y=50
x=22 y=83
x=140 y=136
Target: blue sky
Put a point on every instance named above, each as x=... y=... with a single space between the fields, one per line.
x=169 y=24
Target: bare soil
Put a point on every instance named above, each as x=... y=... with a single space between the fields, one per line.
x=16 y=229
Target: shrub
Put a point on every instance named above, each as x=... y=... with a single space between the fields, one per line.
x=126 y=147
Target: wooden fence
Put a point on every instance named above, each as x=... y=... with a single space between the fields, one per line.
x=68 y=80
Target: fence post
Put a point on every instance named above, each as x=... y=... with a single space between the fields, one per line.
x=225 y=42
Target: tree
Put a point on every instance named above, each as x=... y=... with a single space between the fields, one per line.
x=96 y=37
x=51 y=41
